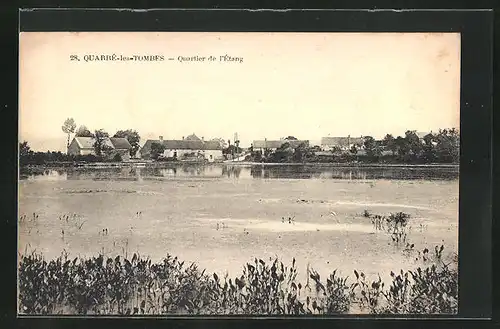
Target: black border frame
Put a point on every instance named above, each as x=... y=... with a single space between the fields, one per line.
x=476 y=28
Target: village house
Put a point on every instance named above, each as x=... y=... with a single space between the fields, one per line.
x=342 y=143
x=189 y=147
x=273 y=145
x=85 y=146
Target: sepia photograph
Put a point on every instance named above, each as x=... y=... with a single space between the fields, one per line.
x=231 y=173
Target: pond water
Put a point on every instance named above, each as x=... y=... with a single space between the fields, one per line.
x=224 y=216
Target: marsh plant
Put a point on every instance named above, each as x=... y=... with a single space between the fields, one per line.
x=395 y=225
x=430 y=289
x=136 y=286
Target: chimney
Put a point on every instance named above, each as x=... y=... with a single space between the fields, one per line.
x=182 y=137
x=161 y=138
x=202 y=138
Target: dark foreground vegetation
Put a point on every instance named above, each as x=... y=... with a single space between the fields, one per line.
x=101 y=285
x=137 y=286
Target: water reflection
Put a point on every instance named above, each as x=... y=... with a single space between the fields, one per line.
x=45 y=174
x=231 y=171
x=243 y=172
x=311 y=172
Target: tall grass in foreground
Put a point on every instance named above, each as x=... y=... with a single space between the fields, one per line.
x=136 y=286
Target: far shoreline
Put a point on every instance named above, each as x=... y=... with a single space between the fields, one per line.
x=347 y=165
x=148 y=165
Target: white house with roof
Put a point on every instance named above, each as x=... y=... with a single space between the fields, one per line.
x=85 y=146
x=273 y=145
x=342 y=143
x=188 y=147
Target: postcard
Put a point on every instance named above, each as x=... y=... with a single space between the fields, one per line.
x=190 y=173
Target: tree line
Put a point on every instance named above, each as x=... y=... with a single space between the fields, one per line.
x=440 y=147
x=101 y=148
x=29 y=157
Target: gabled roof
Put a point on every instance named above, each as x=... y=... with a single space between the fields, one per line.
x=193 y=137
x=213 y=145
x=85 y=142
x=146 y=148
x=120 y=143
x=266 y=144
x=262 y=144
x=341 y=141
x=88 y=142
x=182 y=144
x=114 y=143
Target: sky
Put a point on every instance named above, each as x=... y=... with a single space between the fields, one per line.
x=308 y=85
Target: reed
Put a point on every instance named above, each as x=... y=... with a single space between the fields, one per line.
x=136 y=286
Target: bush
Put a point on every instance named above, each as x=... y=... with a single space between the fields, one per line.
x=117 y=158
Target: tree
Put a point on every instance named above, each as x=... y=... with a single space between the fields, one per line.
x=372 y=147
x=413 y=141
x=338 y=150
x=157 y=149
x=291 y=138
x=428 y=149
x=222 y=142
x=454 y=136
x=302 y=153
x=448 y=145
x=231 y=149
x=283 y=153
x=117 y=158
x=24 y=149
x=390 y=144
x=402 y=146
x=237 y=147
x=82 y=131
x=369 y=143
x=101 y=146
x=68 y=128
x=132 y=137
x=256 y=156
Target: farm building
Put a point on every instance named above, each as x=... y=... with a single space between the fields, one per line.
x=189 y=147
x=261 y=145
x=85 y=146
x=341 y=143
